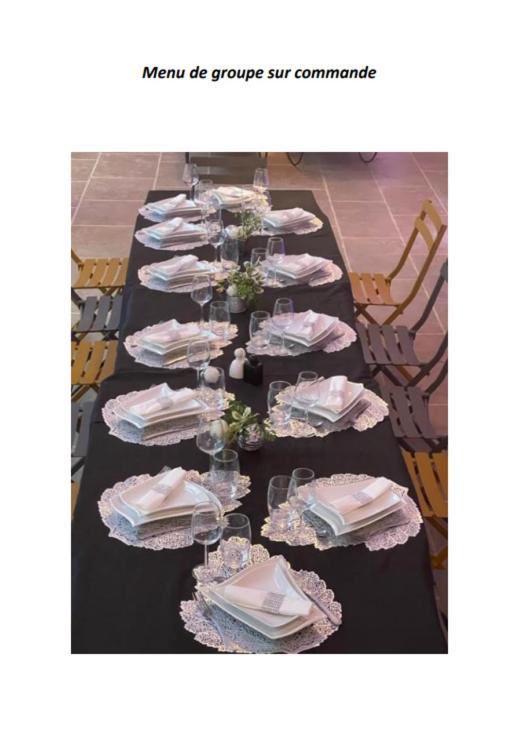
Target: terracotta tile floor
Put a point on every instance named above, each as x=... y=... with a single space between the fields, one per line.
x=371 y=207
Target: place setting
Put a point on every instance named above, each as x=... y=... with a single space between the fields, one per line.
x=173 y=234
x=292 y=220
x=179 y=206
x=258 y=603
x=178 y=274
x=288 y=333
x=317 y=406
x=281 y=269
x=339 y=511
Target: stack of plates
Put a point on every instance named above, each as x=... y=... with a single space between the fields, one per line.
x=286 y=221
x=179 y=270
x=169 y=340
x=336 y=398
x=232 y=196
x=272 y=576
x=181 y=501
x=160 y=409
x=170 y=233
x=177 y=206
x=297 y=267
x=307 y=328
x=343 y=523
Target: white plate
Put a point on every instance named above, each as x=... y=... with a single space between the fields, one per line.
x=272 y=575
x=382 y=506
x=190 y=407
x=317 y=338
x=304 y=272
x=180 y=503
x=356 y=390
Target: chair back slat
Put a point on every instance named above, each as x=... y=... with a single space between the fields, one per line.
x=115 y=314
x=395 y=354
x=100 y=322
x=75 y=412
x=88 y=311
x=84 y=431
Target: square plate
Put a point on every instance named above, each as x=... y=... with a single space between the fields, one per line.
x=190 y=407
x=356 y=391
x=385 y=504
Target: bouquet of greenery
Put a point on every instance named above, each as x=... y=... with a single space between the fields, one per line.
x=246 y=284
x=239 y=418
x=250 y=222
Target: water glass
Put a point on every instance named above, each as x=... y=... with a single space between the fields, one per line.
x=301 y=490
x=203 y=192
x=259 y=334
x=258 y=255
x=261 y=180
x=220 y=318
x=191 y=177
x=279 y=509
x=235 y=543
x=201 y=293
x=207 y=525
x=198 y=355
x=283 y=313
x=214 y=379
x=279 y=412
x=224 y=474
x=211 y=435
x=275 y=252
x=306 y=392
x=229 y=253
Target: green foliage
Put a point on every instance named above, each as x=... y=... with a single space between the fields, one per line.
x=247 y=283
x=239 y=417
x=250 y=223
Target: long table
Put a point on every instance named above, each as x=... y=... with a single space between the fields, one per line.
x=126 y=599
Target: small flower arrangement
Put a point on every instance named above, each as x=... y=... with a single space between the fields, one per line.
x=241 y=419
x=250 y=222
x=246 y=284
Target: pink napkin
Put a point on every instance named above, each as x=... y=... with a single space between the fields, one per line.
x=337 y=394
x=160 y=489
x=171 y=331
x=309 y=324
x=350 y=502
x=165 y=399
x=175 y=265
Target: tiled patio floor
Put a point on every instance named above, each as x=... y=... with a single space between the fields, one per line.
x=371 y=207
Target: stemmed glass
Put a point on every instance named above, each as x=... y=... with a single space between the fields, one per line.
x=215 y=234
x=275 y=252
x=201 y=293
x=259 y=334
x=191 y=177
x=211 y=436
x=198 y=355
x=283 y=313
x=261 y=180
x=235 y=543
x=306 y=392
x=219 y=318
x=277 y=496
x=300 y=499
x=207 y=526
x=279 y=412
x=203 y=193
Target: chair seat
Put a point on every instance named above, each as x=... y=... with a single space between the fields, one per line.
x=409 y=413
x=92 y=362
x=101 y=273
x=99 y=314
x=387 y=345
x=371 y=289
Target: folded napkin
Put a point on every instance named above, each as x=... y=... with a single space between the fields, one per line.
x=335 y=393
x=270 y=602
x=232 y=195
x=169 y=204
x=295 y=264
x=165 y=399
x=309 y=325
x=287 y=218
x=350 y=502
x=160 y=489
x=175 y=265
x=170 y=332
x=171 y=229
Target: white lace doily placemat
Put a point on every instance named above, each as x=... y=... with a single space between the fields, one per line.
x=375 y=413
x=151 y=359
x=329 y=273
x=316 y=532
x=143 y=238
x=178 y=532
x=232 y=636
x=342 y=337
x=146 y=277
x=130 y=434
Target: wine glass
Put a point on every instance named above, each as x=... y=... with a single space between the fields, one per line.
x=259 y=334
x=235 y=542
x=201 y=293
x=229 y=253
x=211 y=435
x=301 y=490
x=224 y=474
x=190 y=177
x=207 y=525
x=220 y=319
x=215 y=234
x=275 y=252
x=279 y=412
x=261 y=180
x=280 y=516
x=198 y=355
x=203 y=193
x=283 y=313
x=306 y=392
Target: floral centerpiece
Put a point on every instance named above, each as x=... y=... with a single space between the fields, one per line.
x=243 y=287
x=246 y=427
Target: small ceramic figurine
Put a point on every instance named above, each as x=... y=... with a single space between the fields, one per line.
x=237 y=366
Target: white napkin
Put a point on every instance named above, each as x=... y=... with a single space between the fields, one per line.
x=290 y=217
x=337 y=394
x=160 y=489
x=233 y=195
x=350 y=502
x=270 y=602
x=171 y=331
x=300 y=263
x=175 y=265
x=309 y=325
x=165 y=399
x=169 y=204
x=175 y=228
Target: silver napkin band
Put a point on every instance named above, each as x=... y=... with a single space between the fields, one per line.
x=272 y=602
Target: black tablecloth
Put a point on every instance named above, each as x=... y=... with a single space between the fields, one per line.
x=126 y=600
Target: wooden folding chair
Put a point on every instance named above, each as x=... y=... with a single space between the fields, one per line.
x=374 y=289
x=91 y=363
x=106 y=274
x=100 y=315
x=409 y=414
x=80 y=431
x=388 y=349
x=429 y=475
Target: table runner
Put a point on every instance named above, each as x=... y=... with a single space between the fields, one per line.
x=127 y=600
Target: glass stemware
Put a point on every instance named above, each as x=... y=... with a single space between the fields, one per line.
x=259 y=334
x=229 y=253
x=235 y=543
x=301 y=491
x=278 y=488
x=224 y=474
x=203 y=193
x=207 y=525
x=198 y=355
x=279 y=412
x=275 y=252
x=283 y=313
x=220 y=319
x=201 y=293
x=211 y=435
x=306 y=394
x=191 y=177
x=215 y=234
x=257 y=256
x=214 y=379
x=261 y=180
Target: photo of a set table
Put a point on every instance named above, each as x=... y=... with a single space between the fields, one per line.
x=299 y=532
